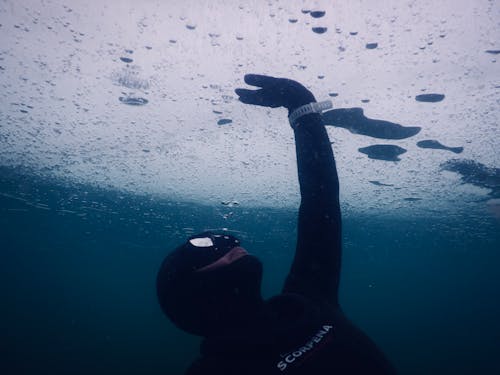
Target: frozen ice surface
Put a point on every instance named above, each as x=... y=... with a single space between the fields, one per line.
x=189 y=56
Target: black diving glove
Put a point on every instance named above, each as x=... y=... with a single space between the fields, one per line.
x=275 y=92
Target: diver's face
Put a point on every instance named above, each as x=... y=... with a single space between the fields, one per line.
x=230 y=257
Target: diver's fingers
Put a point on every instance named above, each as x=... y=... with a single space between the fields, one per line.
x=260 y=80
x=257 y=97
x=249 y=96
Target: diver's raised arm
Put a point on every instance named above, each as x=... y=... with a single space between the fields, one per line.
x=316 y=265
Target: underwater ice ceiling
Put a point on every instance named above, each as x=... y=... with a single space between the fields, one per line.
x=138 y=96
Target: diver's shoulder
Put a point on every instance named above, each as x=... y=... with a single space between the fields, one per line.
x=290 y=304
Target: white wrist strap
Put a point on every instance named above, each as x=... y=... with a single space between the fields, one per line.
x=316 y=107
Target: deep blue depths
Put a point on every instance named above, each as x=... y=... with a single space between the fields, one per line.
x=78 y=266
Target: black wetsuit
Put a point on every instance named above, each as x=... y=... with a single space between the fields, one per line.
x=303 y=330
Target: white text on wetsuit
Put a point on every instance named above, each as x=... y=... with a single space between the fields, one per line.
x=310 y=345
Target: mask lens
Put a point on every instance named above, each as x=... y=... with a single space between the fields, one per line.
x=201 y=242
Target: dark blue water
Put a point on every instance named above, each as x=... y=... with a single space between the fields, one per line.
x=78 y=266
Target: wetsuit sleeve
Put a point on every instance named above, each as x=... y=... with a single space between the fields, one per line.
x=316 y=266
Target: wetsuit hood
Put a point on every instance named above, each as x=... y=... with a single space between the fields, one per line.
x=209 y=302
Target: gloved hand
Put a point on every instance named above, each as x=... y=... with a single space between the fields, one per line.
x=275 y=92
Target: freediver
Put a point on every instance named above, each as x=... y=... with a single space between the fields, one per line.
x=210 y=285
